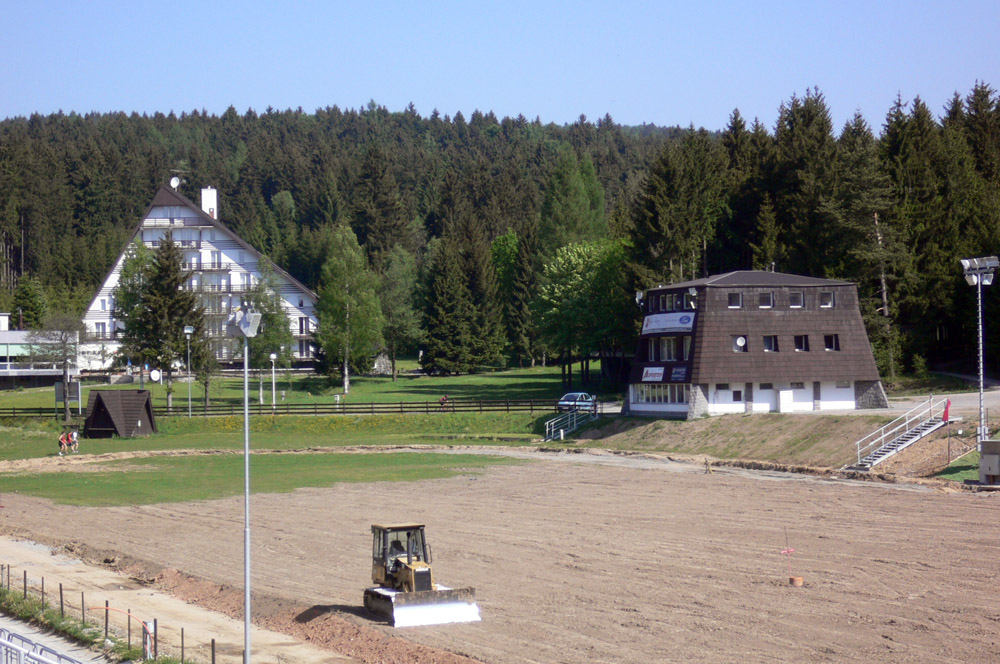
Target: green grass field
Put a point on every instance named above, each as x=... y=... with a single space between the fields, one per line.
x=536 y=383
x=172 y=479
x=963 y=468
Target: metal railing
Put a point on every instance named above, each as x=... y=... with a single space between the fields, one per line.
x=558 y=427
x=18 y=649
x=899 y=426
x=345 y=408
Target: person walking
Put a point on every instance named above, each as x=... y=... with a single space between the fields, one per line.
x=74 y=440
x=63 y=443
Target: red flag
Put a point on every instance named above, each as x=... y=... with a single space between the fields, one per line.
x=947 y=407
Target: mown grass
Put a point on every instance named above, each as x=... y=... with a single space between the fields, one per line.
x=173 y=479
x=962 y=469
x=27 y=439
x=531 y=383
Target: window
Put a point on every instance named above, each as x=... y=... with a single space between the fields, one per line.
x=661 y=393
x=831 y=341
x=767 y=386
x=798 y=386
x=735 y=300
x=795 y=299
x=687 y=347
x=663 y=302
x=303 y=325
x=826 y=299
x=688 y=301
x=101 y=330
x=740 y=344
x=771 y=343
x=766 y=300
x=737 y=395
x=722 y=386
x=668 y=348
x=104 y=304
x=801 y=343
x=843 y=384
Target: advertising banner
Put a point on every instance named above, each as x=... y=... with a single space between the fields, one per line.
x=681 y=321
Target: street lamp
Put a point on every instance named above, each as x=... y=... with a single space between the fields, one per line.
x=188 y=331
x=245 y=324
x=273 y=358
x=979 y=272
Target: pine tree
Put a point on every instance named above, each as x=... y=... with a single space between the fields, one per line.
x=30 y=304
x=154 y=331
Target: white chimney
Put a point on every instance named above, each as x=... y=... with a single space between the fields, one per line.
x=4 y=322
x=210 y=202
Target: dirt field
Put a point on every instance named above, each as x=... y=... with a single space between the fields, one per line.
x=593 y=558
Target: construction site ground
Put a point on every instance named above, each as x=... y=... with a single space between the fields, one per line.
x=576 y=556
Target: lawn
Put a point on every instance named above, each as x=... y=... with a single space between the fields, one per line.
x=962 y=468
x=531 y=383
x=174 y=479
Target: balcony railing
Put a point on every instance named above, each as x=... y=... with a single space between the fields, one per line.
x=215 y=288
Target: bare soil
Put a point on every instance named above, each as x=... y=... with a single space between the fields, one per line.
x=586 y=557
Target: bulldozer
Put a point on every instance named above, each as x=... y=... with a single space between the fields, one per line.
x=406 y=594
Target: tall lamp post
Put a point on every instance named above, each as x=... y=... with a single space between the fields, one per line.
x=245 y=324
x=979 y=272
x=273 y=358
x=188 y=331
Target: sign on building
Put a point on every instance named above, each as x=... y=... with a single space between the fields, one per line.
x=664 y=323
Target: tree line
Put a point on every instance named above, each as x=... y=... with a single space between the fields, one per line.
x=494 y=242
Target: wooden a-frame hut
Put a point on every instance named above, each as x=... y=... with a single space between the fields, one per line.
x=122 y=413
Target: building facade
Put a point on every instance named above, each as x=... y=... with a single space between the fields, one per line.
x=221 y=267
x=752 y=342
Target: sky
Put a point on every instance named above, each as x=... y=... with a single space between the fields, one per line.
x=663 y=63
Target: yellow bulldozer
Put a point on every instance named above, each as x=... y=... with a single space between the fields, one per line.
x=406 y=594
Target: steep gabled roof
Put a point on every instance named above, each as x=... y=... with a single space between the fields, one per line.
x=752 y=278
x=168 y=196
x=126 y=410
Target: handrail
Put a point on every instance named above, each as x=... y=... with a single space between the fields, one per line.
x=902 y=424
x=30 y=652
x=570 y=421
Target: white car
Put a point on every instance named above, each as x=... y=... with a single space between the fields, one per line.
x=576 y=401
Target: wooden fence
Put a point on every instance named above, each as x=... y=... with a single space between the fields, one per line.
x=226 y=409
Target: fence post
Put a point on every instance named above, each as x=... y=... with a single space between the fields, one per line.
x=83 y=610
x=62 y=613
x=106 y=614
x=2 y=566
x=156 y=640
x=213 y=651
x=182 y=645
x=25 y=584
x=43 y=594
x=130 y=629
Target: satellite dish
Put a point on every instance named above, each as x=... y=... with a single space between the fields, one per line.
x=154 y=375
x=741 y=341
x=175 y=182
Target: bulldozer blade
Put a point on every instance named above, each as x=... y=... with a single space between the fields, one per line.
x=426 y=607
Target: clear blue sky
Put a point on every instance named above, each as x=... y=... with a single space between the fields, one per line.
x=657 y=62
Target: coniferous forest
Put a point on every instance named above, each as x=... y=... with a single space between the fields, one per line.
x=502 y=241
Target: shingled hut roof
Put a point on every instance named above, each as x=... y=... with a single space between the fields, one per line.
x=122 y=413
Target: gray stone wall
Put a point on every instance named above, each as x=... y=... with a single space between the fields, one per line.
x=870 y=394
x=698 y=405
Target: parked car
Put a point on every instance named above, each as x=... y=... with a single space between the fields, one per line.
x=576 y=401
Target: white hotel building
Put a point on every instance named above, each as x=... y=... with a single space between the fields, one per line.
x=222 y=268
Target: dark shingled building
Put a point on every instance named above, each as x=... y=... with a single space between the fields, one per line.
x=122 y=413
x=752 y=342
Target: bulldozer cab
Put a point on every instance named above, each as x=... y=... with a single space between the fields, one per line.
x=395 y=548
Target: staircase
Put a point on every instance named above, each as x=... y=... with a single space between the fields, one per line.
x=899 y=434
x=559 y=427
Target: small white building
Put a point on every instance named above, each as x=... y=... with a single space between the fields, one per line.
x=221 y=266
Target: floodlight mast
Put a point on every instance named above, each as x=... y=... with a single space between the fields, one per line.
x=979 y=272
x=245 y=325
